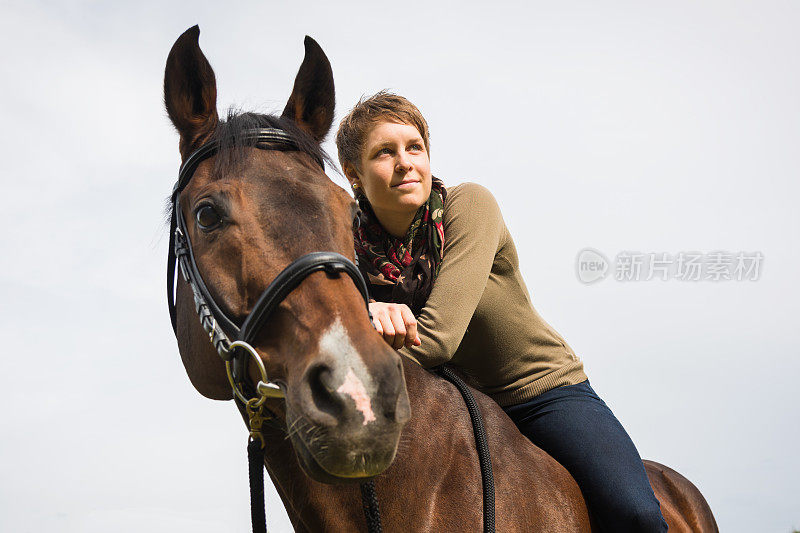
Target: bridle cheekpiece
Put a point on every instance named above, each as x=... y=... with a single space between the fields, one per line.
x=233 y=341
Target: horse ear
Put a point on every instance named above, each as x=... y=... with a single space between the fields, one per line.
x=313 y=97
x=190 y=91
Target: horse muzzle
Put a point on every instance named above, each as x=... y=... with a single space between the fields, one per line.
x=344 y=422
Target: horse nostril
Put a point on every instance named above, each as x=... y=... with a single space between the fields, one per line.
x=323 y=391
x=402 y=408
x=399 y=410
x=325 y=379
x=392 y=400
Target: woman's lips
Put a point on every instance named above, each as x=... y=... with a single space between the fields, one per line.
x=405 y=184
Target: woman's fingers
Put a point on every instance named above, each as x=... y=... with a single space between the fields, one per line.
x=396 y=323
x=377 y=323
x=411 y=326
x=386 y=329
x=396 y=315
x=376 y=309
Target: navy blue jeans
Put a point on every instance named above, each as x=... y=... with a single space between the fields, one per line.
x=578 y=430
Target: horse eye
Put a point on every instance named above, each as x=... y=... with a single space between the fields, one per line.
x=207 y=217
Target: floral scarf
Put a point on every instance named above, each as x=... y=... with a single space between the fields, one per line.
x=402 y=270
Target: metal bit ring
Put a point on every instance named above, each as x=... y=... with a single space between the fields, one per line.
x=265 y=388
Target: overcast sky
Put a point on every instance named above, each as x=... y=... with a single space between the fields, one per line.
x=624 y=127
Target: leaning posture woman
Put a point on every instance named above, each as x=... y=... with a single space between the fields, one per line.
x=445 y=273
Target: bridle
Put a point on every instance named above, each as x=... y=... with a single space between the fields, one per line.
x=233 y=341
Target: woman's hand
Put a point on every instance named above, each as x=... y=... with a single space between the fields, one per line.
x=396 y=323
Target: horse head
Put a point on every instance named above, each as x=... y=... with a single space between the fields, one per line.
x=249 y=212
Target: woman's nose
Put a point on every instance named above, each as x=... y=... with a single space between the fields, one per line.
x=403 y=163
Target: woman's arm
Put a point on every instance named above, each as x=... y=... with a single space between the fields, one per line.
x=473 y=232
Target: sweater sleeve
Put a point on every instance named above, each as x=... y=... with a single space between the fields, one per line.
x=473 y=229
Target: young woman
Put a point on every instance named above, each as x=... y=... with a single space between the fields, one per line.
x=445 y=273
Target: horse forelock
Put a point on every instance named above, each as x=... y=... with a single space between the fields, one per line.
x=231 y=135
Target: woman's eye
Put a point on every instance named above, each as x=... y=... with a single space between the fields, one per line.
x=415 y=146
x=207 y=217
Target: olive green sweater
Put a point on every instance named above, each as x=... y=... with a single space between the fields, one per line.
x=479 y=316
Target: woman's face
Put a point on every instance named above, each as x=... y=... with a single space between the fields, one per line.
x=395 y=169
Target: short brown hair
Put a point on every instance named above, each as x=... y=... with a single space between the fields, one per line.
x=381 y=106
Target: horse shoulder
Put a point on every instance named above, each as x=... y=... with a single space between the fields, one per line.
x=533 y=492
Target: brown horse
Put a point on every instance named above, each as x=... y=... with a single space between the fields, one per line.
x=348 y=401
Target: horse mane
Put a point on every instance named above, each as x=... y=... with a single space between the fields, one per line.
x=231 y=135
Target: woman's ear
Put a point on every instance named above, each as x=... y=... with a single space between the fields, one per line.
x=351 y=174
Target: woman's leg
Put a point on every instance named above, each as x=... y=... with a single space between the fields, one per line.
x=578 y=430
